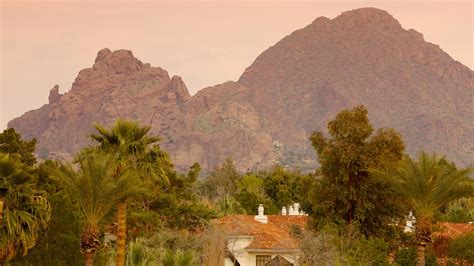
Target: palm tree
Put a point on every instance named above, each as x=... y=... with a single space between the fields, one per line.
x=140 y=254
x=23 y=209
x=178 y=258
x=97 y=188
x=427 y=185
x=130 y=143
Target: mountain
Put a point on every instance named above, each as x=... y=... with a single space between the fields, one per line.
x=365 y=57
x=206 y=128
x=362 y=56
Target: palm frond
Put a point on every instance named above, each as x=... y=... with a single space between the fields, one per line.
x=25 y=211
x=428 y=183
x=96 y=187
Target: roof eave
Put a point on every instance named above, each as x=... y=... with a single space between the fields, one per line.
x=272 y=250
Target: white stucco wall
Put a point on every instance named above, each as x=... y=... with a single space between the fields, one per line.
x=228 y=262
x=237 y=245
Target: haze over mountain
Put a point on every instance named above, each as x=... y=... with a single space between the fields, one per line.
x=362 y=56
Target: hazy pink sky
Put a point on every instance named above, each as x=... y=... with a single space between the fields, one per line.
x=47 y=42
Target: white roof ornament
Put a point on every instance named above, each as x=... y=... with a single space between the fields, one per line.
x=261 y=217
x=294 y=210
x=410 y=223
x=297 y=208
x=291 y=210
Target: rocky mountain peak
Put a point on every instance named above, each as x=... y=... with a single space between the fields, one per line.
x=364 y=56
x=117 y=62
x=367 y=17
x=102 y=54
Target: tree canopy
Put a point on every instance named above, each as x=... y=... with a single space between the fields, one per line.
x=346 y=192
x=24 y=209
x=11 y=143
x=426 y=185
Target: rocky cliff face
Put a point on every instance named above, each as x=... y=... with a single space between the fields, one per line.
x=209 y=127
x=362 y=56
x=118 y=85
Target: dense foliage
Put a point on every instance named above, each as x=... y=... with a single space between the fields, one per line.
x=58 y=244
x=462 y=249
x=426 y=185
x=11 y=143
x=122 y=201
x=234 y=193
x=346 y=192
x=24 y=210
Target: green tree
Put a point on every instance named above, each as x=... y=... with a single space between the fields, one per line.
x=178 y=204
x=24 y=210
x=347 y=193
x=97 y=188
x=426 y=186
x=284 y=187
x=462 y=249
x=11 y=143
x=221 y=182
x=57 y=244
x=228 y=205
x=132 y=146
x=250 y=193
x=140 y=254
x=342 y=246
x=178 y=258
x=458 y=211
x=407 y=257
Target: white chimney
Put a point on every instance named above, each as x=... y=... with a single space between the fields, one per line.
x=410 y=223
x=297 y=208
x=261 y=217
x=291 y=211
x=283 y=210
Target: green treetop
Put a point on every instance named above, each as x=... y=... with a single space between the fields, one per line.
x=347 y=193
x=11 y=143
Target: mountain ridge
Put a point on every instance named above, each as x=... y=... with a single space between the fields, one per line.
x=362 y=56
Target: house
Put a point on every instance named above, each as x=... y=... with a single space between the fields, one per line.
x=447 y=232
x=263 y=239
x=444 y=232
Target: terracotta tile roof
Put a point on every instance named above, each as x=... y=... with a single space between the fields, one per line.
x=274 y=235
x=453 y=230
x=285 y=221
x=445 y=233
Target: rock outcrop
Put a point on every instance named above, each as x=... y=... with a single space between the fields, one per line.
x=54 y=95
x=362 y=56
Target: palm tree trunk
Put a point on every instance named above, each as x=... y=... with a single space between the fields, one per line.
x=423 y=238
x=89 y=259
x=121 y=232
x=1 y=213
x=420 y=252
x=90 y=243
x=2 y=255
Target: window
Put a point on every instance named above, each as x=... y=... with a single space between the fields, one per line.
x=263 y=259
